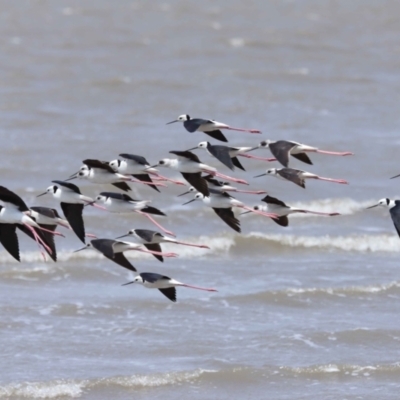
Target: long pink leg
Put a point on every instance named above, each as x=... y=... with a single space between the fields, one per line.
x=38 y=239
x=257 y=157
x=157 y=253
x=228 y=178
x=198 y=287
x=248 y=191
x=90 y=235
x=167 y=179
x=242 y=130
x=335 y=153
x=156 y=223
x=342 y=181
x=319 y=213
x=55 y=233
x=148 y=183
x=96 y=205
x=201 y=246
x=269 y=215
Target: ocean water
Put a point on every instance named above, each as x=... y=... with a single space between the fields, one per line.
x=304 y=312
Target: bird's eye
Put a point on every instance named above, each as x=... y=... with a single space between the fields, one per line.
x=256 y=207
x=162 y=162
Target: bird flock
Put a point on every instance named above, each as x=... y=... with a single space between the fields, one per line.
x=40 y=222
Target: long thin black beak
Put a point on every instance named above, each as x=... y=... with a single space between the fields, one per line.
x=120 y=237
x=396 y=176
x=152 y=166
x=71 y=177
x=41 y=194
x=257 y=176
x=90 y=203
x=179 y=195
x=376 y=205
x=188 y=202
x=74 y=174
x=245 y=212
x=128 y=283
x=193 y=148
x=83 y=248
x=171 y=122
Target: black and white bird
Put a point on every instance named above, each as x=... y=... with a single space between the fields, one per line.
x=282 y=149
x=16 y=214
x=221 y=187
x=122 y=203
x=114 y=251
x=208 y=126
x=152 y=239
x=222 y=203
x=100 y=172
x=72 y=202
x=297 y=176
x=191 y=168
x=394 y=209
x=278 y=207
x=167 y=286
x=225 y=154
x=138 y=167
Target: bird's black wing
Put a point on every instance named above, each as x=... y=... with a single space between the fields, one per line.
x=221 y=153
x=152 y=277
x=395 y=214
x=192 y=125
x=212 y=180
x=98 y=164
x=105 y=246
x=117 y=196
x=217 y=135
x=303 y=157
x=122 y=185
x=146 y=178
x=273 y=200
x=152 y=210
x=7 y=196
x=282 y=221
x=281 y=150
x=186 y=155
x=121 y=260
x=146 y=234
x=68 y=185
x=170 y=293
x=137 y=159
x=9 y=239
x=154 y=247
x=73 y=214
x=237 y=163
x=226 y=214
x=198 y=182
x=292 y=175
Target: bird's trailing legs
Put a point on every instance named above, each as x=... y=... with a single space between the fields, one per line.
x=257 y=157
x=156 y=223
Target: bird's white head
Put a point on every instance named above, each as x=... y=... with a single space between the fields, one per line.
x=183 y=117
x=203 y=145
x=83 y=173
x=265 y=143
x=271 y=171
x=115 y=164
x=100 y=199
x=165 y=162
x=384 y=203
x=51 y=189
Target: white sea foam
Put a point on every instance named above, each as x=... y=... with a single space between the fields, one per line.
x=359 y=243
x=75 y=388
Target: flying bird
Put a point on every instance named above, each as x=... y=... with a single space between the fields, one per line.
x=282 y=149
x=297 y=176
x=394 y=210
x=208 y=126
x=163 y=283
